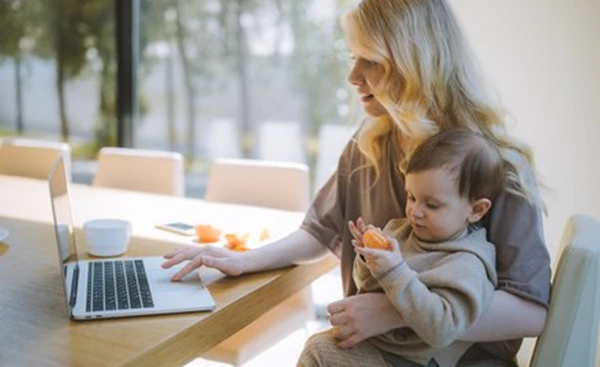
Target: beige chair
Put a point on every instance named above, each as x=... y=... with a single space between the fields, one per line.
x=154 y=171
x=276 y=185
x=32 y=158
x=273 y=184
x=570 y=338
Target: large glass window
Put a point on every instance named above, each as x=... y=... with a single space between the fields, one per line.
x=215 y=78
x=57 y=72
x=241 y=78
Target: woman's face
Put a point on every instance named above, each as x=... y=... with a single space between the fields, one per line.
x=365 y=75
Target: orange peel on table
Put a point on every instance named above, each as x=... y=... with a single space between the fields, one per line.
x=373 y=239
x=264 y=234
x=237 y=242
x=207 y=233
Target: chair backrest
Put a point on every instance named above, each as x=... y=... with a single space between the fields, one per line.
x=280 y=141
x=32 y=158
x=332 y=140
x=279 y=185
x=570 y=337
x=154 y=171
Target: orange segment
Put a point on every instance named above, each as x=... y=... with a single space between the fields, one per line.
x=236 y=242
x=264 y=234
x=373 y=239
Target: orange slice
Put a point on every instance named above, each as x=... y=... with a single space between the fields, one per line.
x=236 y=242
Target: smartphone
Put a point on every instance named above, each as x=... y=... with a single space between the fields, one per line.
x=181 y=228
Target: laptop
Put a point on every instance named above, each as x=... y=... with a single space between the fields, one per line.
x=116 y=287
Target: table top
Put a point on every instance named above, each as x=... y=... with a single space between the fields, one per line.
x=35 y=328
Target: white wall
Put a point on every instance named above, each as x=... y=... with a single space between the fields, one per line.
x=543 y=58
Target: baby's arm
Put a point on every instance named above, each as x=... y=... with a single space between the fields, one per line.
x=442 y=303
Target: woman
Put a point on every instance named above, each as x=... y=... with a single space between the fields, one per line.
x=415 y=77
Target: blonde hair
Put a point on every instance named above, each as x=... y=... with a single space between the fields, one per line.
x=429 y=83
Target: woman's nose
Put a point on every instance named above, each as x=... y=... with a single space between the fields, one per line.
x=355 y=76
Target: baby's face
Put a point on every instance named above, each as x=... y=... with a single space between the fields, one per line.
x=434 y=206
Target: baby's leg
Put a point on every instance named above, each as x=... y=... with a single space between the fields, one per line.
x=321 y=350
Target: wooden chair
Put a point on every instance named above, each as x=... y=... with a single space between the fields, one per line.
x=32 y=158
x=570 y=338
x=154 y=171
x=270 y=184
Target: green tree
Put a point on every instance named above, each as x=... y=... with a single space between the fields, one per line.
x=319 y=63
x=13 y=32
x=63 y=35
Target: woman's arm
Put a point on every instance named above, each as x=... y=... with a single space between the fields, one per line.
x=359 y=317
x=296 y=248
x=507 y=317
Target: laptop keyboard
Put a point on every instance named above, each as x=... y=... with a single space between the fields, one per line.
x=117 y=285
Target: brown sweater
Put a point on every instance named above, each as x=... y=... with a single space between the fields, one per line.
x=514 y=226
x=440 y=290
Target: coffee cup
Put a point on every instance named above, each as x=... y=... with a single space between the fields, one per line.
x=107 y=237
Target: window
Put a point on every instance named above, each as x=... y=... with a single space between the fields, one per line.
x=57 y=72
x=215 y=78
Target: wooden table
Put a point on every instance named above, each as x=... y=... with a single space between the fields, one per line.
x=34 y=325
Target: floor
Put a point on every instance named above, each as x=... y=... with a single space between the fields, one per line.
x=286 y=352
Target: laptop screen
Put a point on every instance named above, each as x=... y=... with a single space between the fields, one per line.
x=63 y=226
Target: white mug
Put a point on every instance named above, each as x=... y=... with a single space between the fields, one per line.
x=107 y=237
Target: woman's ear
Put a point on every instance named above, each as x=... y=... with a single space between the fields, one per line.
x=478 y=209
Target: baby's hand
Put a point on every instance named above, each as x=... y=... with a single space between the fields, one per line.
x=357 y=229
x=379 y=259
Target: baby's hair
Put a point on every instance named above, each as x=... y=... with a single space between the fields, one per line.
x=475 y=162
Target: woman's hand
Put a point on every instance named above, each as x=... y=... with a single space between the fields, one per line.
x=359 y=317
x=226 y=261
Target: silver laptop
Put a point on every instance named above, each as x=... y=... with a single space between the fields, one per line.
x=116 y=287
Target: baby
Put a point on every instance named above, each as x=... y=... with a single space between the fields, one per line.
x=438 y=268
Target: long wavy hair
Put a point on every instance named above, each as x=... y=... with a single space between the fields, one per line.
x=430 y=82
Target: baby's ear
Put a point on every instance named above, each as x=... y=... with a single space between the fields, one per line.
x=478 y=209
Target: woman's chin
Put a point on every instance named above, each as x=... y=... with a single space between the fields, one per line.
x=374 y=108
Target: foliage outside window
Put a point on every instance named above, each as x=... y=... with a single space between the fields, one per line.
x=210 y=73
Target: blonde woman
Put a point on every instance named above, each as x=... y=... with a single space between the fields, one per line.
x=415 y=76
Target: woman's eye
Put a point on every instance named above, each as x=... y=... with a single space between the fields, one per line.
x=410 y=198
x=369 y=62
x=432 y=206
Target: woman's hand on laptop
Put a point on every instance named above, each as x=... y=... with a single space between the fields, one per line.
x=227 y=261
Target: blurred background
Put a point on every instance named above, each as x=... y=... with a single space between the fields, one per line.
x=260 y=78
x=212 y=78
